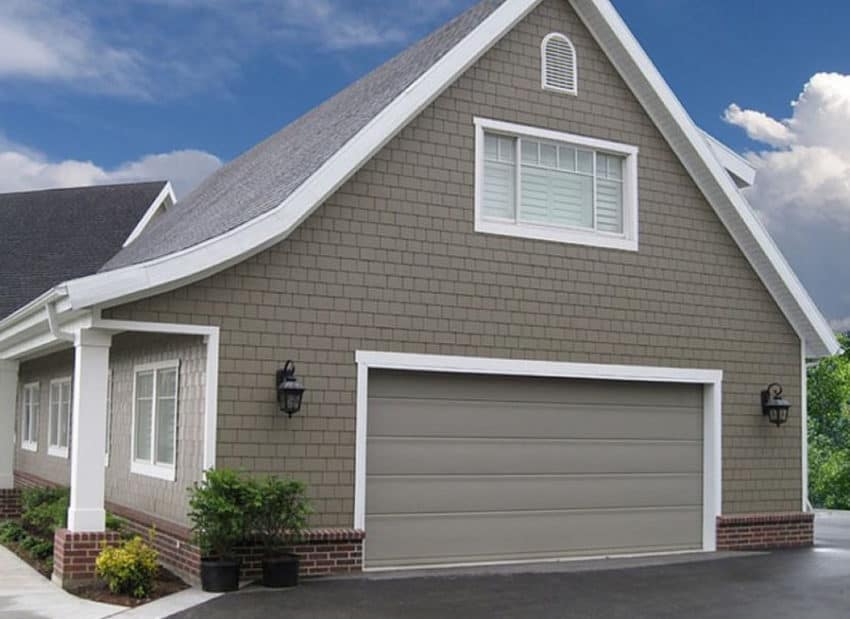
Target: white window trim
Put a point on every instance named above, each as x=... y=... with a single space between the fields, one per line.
x=628 y=241
x=543 y=64
x=167 y=472
x=55 y=450
x=30 y=445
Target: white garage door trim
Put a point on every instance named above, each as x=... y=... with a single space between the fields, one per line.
x=712 y=381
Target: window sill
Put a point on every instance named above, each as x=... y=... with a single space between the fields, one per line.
x=557 y=235
x=57 y=452
x=29 y=446
x=166 y=473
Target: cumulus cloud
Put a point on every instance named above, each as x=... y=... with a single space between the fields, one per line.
x=23 y=169
x=802 y=190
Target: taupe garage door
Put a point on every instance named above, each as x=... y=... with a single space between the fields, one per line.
x=467 y=468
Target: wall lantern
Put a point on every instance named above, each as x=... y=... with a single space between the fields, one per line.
x=774 y=405
x=289 y=390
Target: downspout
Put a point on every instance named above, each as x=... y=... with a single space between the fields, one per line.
x=55 y=331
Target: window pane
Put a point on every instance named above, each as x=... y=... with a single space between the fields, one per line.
x=165 y=413
x=55 y=392
x=615 y=167
x=530 y=152
x=507 y=149
x=64 y=419
x=549 y=155
x=36 y=409
x=142 y=431
x=144 y=385
x=554 y=197
x=609 y=206
x=491 y=147
x=567 y=158
x=585 y=161
x=499 y=199
x=166 y=383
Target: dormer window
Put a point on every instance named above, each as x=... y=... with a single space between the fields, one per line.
x=560 y=70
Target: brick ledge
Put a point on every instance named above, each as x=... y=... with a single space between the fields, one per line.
x=746 y=520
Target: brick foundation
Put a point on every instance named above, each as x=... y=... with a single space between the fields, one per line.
x=10 y=504
x=765 y=531
x=74 y=555
x=322 y=552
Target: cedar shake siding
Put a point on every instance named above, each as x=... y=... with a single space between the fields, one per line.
x=391 y=263
x=165 y=499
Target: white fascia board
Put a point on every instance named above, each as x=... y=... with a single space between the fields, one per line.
x=166 y=195
x=194 y=263
x=688 y=142
x=740 y=169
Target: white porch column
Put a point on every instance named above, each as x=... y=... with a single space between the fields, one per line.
x=88 y=434
x=8 y=403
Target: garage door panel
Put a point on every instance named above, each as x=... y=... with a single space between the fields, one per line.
x=525 y=389
x=470 y=468
x=464 y=493
x=528 y=535
x=421 y=456
x=442 y=417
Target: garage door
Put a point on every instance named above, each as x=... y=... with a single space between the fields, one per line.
x=471 y=468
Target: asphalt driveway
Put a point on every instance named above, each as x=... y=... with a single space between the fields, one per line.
x=810 y=583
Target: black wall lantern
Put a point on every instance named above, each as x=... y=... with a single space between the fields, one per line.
x=774 y=405
x=289 y=390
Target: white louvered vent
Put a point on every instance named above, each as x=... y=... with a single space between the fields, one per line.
x=560 y=70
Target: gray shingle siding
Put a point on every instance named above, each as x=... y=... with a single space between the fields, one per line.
x=391 y=262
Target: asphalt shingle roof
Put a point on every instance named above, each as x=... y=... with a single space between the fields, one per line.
x=47 y=237
x=263 y=177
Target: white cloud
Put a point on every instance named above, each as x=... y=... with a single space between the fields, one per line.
x=50 y=40
x=802 y=190
x=155 y=49
x=23 y=169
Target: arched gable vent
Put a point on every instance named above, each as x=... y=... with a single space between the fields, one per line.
x=560 y=70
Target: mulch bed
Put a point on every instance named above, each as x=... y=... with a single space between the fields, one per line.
x=166 y=584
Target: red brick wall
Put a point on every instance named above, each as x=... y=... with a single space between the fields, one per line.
x=74 y=555
x=765 y=531
x=10 y=504
x=323 y=552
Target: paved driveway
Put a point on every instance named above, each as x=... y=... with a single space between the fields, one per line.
x=812 y=583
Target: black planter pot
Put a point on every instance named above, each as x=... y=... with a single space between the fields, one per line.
x=280 y=572
x=219 y=576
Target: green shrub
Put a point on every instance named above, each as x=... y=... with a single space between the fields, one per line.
x=11 y=531
x=114 y=523
x=45 y=509
x=128 y=569
x=277 y=511
x=217 y=511
x=36 y=546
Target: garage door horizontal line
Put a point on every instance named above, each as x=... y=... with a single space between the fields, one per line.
x=660 y=509
x=490 y=559
x=539 y=439
x=572 y=404
x=500 y=476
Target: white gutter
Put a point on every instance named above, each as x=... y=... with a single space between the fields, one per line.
x=53 y=295
x=55 y=331
x=211 y=335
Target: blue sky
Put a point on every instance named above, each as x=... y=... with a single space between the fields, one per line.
x=98 y=92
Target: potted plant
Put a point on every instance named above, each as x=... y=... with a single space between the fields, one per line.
x=217 y=512
x=278 y=516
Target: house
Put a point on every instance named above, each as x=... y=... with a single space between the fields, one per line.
x=533 y=313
